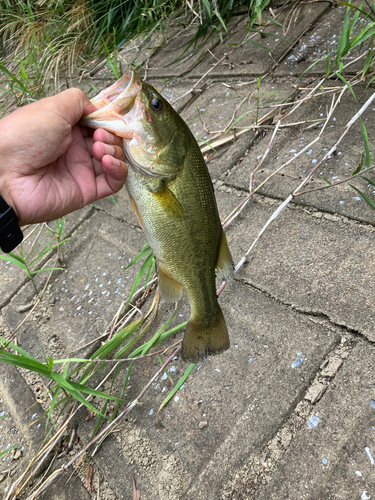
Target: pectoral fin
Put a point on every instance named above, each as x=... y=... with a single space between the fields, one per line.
x=168 y=201
x=170 y=289
x=224 y=264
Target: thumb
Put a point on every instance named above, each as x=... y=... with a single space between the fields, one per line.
x=70 y=104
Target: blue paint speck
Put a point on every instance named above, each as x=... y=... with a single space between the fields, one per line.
x=313 y=422
x=297 y=362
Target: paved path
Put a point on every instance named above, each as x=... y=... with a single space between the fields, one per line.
x=288 y=412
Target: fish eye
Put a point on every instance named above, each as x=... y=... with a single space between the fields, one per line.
x=157 y=104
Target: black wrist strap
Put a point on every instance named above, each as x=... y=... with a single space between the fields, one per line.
x=10 y=232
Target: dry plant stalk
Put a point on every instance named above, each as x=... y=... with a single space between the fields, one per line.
x=16 y=489
x=261 y=123
x=297 y=191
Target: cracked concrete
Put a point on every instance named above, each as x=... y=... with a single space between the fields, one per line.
x=288 y=411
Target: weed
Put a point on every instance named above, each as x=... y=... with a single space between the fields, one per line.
x=349 y=40
x=28 y=260
x=42 y=40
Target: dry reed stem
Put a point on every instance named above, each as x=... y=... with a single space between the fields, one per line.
x=45 y=452
x=65 y=467
x=244 y=202
x=311 y=173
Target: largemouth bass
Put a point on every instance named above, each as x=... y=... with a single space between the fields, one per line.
x=172 y=195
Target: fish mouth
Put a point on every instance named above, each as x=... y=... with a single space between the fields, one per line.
x=121 y=111
x=115 y=105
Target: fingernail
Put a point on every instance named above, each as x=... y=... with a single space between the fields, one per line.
x=116 y=162
x=110 y=150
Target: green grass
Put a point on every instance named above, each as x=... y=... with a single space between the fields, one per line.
x=56 y=39
x=354 y=34
x=71 y=379
x=30 y=260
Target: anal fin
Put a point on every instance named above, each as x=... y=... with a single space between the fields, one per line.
x=170 y=289
x=224 y=264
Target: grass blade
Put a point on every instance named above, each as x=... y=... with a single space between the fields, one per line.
x=144 y=251
x=2 y=453
x=359 y=168
x=117 y=339
x=326 y=180
x=368 y=180
x=142 y=271
x=367 y=147
x=344 y=35
x=178 y=385
x=365 y=197
x=368 y=61
x=163 y=336
x=17 y=262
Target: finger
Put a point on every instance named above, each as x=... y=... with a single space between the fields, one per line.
x=89 y=143
x=116 y=171
x=100 y=149
x=86 y=131
x=102 y=135
x=98 y=167
x=113 y=177
x=112 y=166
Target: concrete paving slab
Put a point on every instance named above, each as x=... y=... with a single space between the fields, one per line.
x=325 y=37
x=318 y=264
x=18 y=411
x=334 y=459
x=67 y=490
x=251 y=59
x=342 y=199
x=118 y=206
x=176 y=58
x=12 y=278
x=249 y=390
x=219 y=107
x=23 y=406
x=81 y=301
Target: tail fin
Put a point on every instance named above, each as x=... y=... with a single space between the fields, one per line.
x=205 y=338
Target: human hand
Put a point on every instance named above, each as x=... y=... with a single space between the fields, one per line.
x=49 y=165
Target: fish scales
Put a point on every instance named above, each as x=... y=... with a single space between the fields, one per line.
x=172 y=194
